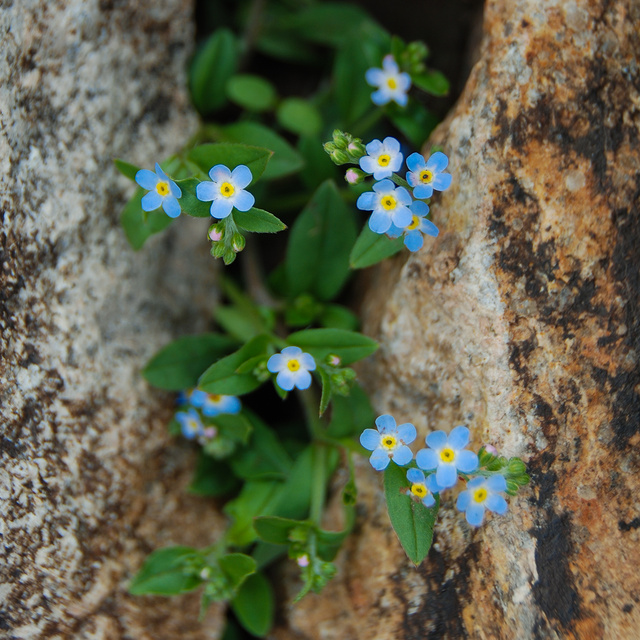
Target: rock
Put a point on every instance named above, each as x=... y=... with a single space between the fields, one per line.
x=521 y=321
x=91 y=482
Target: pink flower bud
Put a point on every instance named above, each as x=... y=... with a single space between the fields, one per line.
x=303 y=561
x=351 y=176
x=490 y=449
x=215 y=235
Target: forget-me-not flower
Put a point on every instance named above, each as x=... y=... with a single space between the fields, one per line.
x=162 y=191
x=190 y=423
x=423 y=488
x=481 y=494
x=419 y=225
x=226 y=190
x=390 y=206
x=392 y=84
x=447 y=454
x=213 y=404
x=389 y=442
x=383 y=159
x=426 y=175
x=292 y=366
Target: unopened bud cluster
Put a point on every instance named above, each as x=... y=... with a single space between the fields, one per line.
x=344 y=148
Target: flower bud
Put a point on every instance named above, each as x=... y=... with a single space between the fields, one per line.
x=354 y=176
x=238 y=242
x=215 y=233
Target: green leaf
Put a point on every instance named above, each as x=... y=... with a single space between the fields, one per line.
x=285 y=158
x=335 y=316
x=211 y=68
x=275 y=530
x=253 y=93
x=212 y=477
x=411 y=520
x=166 y=572
x=349 y=346
x=221 y=377
x=189 y=202
x=350 y=415
x=236 y=567
x=329 y=543
x=295 y=497
x=299 y=116
x=254 y=605
x=317 y=164
x=206 y=156
x=139 y=225
x=127 y=169
x=178 y=365
x=371 y=248
x=433 y=82
x=321 y=239
x=258 y=221
x=414 y=121
x=238 y=323
x=326 y=389
x=234 y=426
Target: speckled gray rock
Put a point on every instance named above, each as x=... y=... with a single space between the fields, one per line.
x=522 y=321
x=89 y=481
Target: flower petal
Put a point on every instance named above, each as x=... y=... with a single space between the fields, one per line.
x=379 y=460
x=206 y=191
x=370 y=439
x=176 y=191
x=415 y=476
x=219 y=173
x=432 y=484
x=476 y=483
x=285 y=379
x=171 y=207
x=428 y=500
x=389 y=64
x=151 y=201
x=384 y=187
x=466 y=461
x=241 y=177
x=413 y=240
x=368 y=164
x=459 y=437
x=464 y=499
x=437 y=439
x=415 y=162
x=427 y=459
x=401 y=99
x=437 y=162
x=374 y=77
x=419 y=208
x=402 y=455
x=291 y=352
x=407 y=433
x=401 y=217
x=446 y=475
x=382 y=172
x=404 y=81
x=367 y=201
x=475 y=514
x=402 y=196
x=441 y=181
x=221 y=208
x=427 y=227
x=276 y=362
x=379 y=222
x=302 y=379
x=380 y=97
x=147 y=179
x=197 y=397
x=243 y=200
x=496 y=503
x=385 y=423
x=497 y=483
x=306 y=360
x=423 y=191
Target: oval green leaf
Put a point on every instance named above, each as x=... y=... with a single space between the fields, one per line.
x=371 y=248
x=349 y=346
x=253 y=93
x=299 y=116
x=254 y=605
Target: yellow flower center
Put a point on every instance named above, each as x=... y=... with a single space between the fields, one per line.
x=419 y=490
x=415 y=223
x=214 y=397
x=192 y=424
x=392 y=84
x=388 y=442
x=447 y=455
x=384 y=160
x=293 y=365
x=480 y=495
x=426 y=175
x=388 y=202
x=227 y=189
x=162 y=188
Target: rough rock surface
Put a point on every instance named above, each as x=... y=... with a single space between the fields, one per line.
x=89 y=480
x=522 y=321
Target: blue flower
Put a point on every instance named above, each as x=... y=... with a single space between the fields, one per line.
x=391 y=83
x=388 y=442
x=383 y=159
x=191 y=423
x=162 y=191
x=227 y=190
x=213 y=404
x=423 y=488
x=390 y=206
x=413 y=239
x=447 y=455
x=481 y=494
x=425 y=176
x=292 y=367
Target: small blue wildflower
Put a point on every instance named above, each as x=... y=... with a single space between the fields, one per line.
x=227 y=190
x=383 y=159
x=292 y=367
x=390 y=206
x=423 y=488
x=389 y=442
x=162 y=191
x=413 y=239
x=213 y=404
x=391 y=83
x=447 y=455
x=191 y=423
x=481 y=494
x=425 y=176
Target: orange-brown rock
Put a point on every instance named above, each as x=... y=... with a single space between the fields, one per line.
x=89 y=483
x=522 y=321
